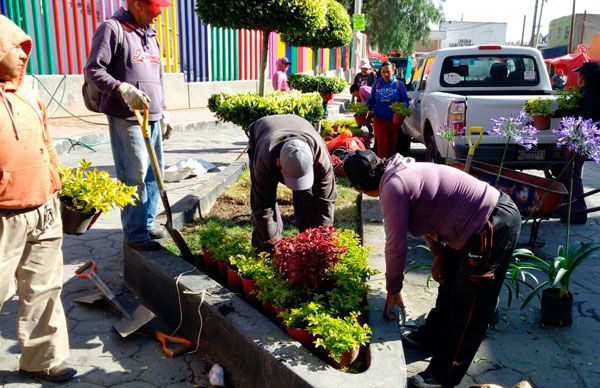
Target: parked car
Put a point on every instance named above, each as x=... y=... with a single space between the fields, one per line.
x=468 y=86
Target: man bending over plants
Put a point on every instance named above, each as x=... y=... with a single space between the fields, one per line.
x=287 y=149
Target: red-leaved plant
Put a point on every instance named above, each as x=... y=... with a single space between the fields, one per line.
x=304 y=259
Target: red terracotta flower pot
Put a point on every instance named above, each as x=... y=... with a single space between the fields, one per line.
x=268 y=309
x=209 y=263
x=222 y=269
x=398 y=120
x=249 y=285
x=234 y=281
x=360 y=119
x=347 y=358
x=303 y=336
x=541 y=122
x=327 y=96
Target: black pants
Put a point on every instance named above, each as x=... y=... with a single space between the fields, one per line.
x=472 y=280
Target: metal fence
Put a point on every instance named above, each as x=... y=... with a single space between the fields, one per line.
x=62 y=31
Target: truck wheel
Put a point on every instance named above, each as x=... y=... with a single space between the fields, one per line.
x=431 y=153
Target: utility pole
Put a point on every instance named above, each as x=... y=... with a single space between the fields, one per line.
x=531 y=41
x=357 y=54
x=523 y=30
x=537 y=33
x=572 y=28
x=582 y=26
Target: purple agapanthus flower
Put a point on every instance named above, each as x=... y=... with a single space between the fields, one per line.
x=580 y=136
x=516 y=129
x=450 y=133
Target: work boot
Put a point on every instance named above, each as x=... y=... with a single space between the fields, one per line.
x=158 y=233
x=410 y=337
x=56 y=374
x=423 y=381
x=144 y=245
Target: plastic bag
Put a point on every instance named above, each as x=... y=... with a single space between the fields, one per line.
x=216 y=376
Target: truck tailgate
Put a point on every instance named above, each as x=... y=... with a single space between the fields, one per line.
x=481 y=108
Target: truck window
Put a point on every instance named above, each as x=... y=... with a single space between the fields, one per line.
x=426 y=71
x=489 y=71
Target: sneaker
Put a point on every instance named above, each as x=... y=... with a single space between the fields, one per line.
x=56 y=374
x=410 y=337
x=424 y=382
x=144 y=245
x=158 y=233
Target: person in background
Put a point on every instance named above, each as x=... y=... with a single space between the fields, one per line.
x=280 y=76
x=130 y=77
x=471 y=229
x=361 y=93
x=31 y=260
x=287 y=149
x=588 y=108
x=366 y=77
x=558 y=80
x=385 y=91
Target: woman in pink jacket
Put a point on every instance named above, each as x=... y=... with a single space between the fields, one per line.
x=280 y=76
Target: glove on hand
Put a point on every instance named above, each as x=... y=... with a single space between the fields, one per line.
x=133 y=97
x=165 y=124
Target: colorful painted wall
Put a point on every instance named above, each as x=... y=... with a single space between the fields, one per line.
x=62 y=31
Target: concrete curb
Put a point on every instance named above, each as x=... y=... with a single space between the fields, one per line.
x=254 y=350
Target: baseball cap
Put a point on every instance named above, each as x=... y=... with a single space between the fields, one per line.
x=589 y=68
x=359 y=167
x=365 y=64
x=296 y=160
x=285 y=61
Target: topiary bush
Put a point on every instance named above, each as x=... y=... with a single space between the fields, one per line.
x=316 y=83
x=245 y=108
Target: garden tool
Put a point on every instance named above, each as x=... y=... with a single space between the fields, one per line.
x=472 y=145
x=186 y=253
x=164 y=338
x=130 y=322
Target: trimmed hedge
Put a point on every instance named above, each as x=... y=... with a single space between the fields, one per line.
x=245 y=108
x=316 y=83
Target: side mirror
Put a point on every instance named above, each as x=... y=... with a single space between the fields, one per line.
x=410 y=87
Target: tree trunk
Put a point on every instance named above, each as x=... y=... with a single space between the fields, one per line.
x=316 y=66
x=263 y=63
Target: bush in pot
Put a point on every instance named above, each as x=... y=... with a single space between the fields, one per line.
x=297 y=321
x=210 y=236
x=249 y=268
x=400 y=111
x=360 y=110
x=90 y=192
x=540 y=112
x=568 y=98
x=326 y=86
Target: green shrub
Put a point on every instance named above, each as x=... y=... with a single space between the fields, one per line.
x=93 y=190
x=400 y=109
x=568 y=98
x=359 y=108
x=316 y=83
x=339 y=335
x=537 y=107
x=251 y=266
x=245 y=108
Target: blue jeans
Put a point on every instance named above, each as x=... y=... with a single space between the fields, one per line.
x=134 y=168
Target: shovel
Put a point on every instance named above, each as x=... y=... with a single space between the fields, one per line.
x=186 y=253
x=472 y=145
x=130 y=322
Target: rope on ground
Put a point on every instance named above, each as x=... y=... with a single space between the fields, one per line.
x=59 y=103
x=203 y=292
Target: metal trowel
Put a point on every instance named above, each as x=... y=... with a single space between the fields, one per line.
x=129 y=322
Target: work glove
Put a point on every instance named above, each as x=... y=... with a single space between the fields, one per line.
x=133 y=97
x=165 y=125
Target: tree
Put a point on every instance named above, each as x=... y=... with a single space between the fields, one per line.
x=335 y=33
x=399 y=24
x=264 y=15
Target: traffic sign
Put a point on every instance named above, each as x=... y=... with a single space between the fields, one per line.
x=358 y=21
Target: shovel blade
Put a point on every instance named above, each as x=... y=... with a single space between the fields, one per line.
x=141 y=315
x=186 y=253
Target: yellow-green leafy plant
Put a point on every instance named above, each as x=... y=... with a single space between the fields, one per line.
x=537 y=107
x=400 y=109
x=339 y=335
x=92 y=190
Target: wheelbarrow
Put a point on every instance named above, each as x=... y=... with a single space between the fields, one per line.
x=536 y=197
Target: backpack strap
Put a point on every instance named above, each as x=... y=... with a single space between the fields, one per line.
x=120 y=36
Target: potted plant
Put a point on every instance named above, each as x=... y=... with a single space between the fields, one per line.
x=275 y=292
x=325 y=86
x=340 y=337
x=209 y=237
x=297 y=320
x=568 y=98
x=557 y=300
x=539 y=110
x=400 y=111
x=360 y=110
x=86 y=193
x=249 y=267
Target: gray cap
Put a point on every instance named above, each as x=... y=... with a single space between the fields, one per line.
x=296 y=159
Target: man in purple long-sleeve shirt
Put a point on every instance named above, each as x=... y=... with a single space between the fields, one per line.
x=471 y=229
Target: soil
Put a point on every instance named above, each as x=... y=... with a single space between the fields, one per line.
x=228 y=208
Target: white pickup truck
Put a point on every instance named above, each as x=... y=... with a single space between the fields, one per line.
x=468 y=86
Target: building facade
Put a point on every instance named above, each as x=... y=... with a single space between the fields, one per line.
x=459 y=33
x=585 y=26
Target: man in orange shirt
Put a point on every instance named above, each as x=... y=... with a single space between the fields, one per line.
x=30 y=225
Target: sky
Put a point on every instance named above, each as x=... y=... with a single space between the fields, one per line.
x=512 y=11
